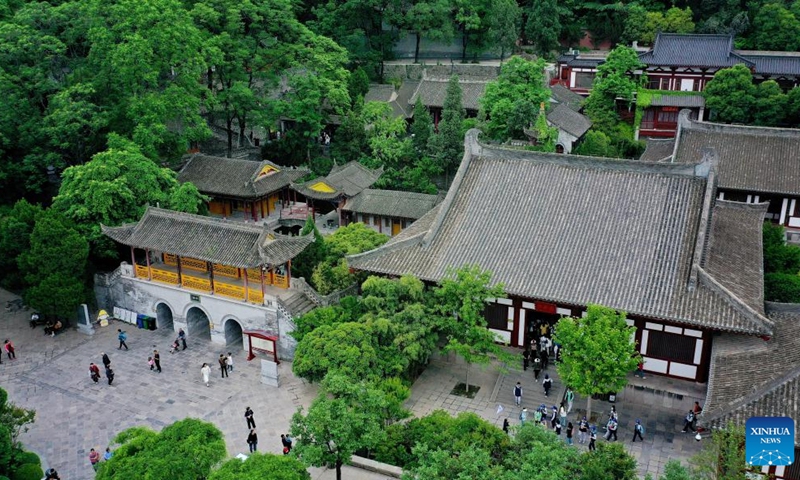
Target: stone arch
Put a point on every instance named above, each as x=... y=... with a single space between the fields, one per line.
x=560 y=148
x=164 y=316
x=198 y=323
x=233 y=333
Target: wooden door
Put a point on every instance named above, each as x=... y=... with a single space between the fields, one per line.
x=396 y=227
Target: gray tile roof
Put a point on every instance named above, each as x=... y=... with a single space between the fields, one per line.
x=388 y=94
x=693 y=50
x=751 y=159
x=583 y=60
x=563 y=95
x=575 y=230
x=346 y=180
x=563 y=117
x=658 y=149
x=434 y=90
x=688 y=100
x=753 y=377
x=391 y=203
x=207 y=238
x=773 y=63
x=234 y=177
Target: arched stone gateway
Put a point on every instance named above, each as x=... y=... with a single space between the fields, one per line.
x=164 y=317
x=199 y=326
x=233 y=334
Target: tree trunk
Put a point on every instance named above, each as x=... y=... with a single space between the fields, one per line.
x=229 y=123
x=242 y=128
x=467 y=382
x=338 y=470
x=464 y=47
x=416 y=48
x=589 y=407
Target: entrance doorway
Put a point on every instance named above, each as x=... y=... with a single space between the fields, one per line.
x=164 y=317
x=233 y=334
x=199 y=327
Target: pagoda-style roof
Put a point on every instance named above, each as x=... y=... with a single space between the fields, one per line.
x=344 y=181
x=243 y=245
x=237 y=178
x=693 y=50
x=391 y=203
x=646 y=238
x=751 y=159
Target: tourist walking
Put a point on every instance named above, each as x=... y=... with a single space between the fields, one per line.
x=94 y=458
x=505 y=425
x=570 y=398
x=613 y=414
x=223 y=368
x=611 y=426
x=252 y=440
x=286 y=441
x=51 y=474
x=182 y=337
x=640 y=370
x=206 y=372
x=229 y=361
x=94 y=372
x=638 y=429
x=526 y=358
x=562 y=415
x=557 y=429
x=537 y=415
x=570 y=429
x=547 y=383
x=583 y=429
x=592 y=438
x=122 y=336
x=109 y=374
x=697 y=410
x=537 y=366
x=248 y=414
x=553 y=417
x=157 y=360
x=518 y=393
x=107 y=456
x=152 y=363
x=523 y=415
x=545 y=359
x=688 y=422
x=106 y=360
x=9 y=348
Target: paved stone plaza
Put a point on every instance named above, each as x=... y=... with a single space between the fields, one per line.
x=73 y=414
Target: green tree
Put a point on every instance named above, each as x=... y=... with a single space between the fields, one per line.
x=776 y=28
x=115 y=187
x=673 y=470
x=448 y=143
x=613 y=81
x=546 y=136
x=543 y=27
x=352 y=239
x=636 y=25
x=595 y=144
x=609 y=462
x=358 y=84
x=332 y=430
x=187 y=450
x=722 y=456
x=473 y=463
x=461 y=301
x=388 y=143
x=770 y=104
x=15 y=419
x=504 y=26
x=259 y=466
x=422 y=128
x=520 y=87
x=351 y=136
x=303 y=265
x=55 y=266
x=73 y=123
x=779 y=257
x=429 y=18
x=597 y=352
x=735 y=82
x=345 y=348
x=15 y=240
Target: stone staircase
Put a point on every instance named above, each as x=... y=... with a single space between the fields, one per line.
x=296 y=303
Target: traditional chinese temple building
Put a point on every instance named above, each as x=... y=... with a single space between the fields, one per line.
x=323 y=195
x=241 y=188
x=217 y=279
x=387 y=211
x=560 y=232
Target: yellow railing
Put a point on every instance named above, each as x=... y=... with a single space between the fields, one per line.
x=255 y=296
x=194 y=264
x=171 y=259
x=228 y=290
x=164 y=276
x=142 y=271
x=254 y=275
x=226 y=271
x=195 y=283
x=281 y=281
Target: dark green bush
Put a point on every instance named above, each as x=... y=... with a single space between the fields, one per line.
x=22 y=457
x=28 y=471
x=778 y=256
x=782 y=287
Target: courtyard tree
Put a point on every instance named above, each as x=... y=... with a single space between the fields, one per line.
x=614 y=81
x=460 y=300
x=735 y=82
x=512 y=102
x=431 y=19
x=597 y=352
x=609 y=462
x=543 y=27
x=342 y=347
x=303 y=264
x=15 y=240
x=116 y=186
x=440 y=463
x=422 y=128
x=259 y=466
x=185 y=450
x=722 y=456
x=448 y=144
x=333 y=429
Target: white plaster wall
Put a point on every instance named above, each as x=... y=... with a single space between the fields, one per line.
x=142 y=296
x=567 y=140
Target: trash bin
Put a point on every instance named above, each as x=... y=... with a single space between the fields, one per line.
x=140 y=321
x=151 y=323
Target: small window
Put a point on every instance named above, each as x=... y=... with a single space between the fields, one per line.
x=386 y=222
x=496 y=316
x=366 y=219
x=376 y=220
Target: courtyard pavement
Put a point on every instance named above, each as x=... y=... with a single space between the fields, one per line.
x=73 y=414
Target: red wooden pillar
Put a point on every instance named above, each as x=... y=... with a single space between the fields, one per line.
x=246 y=290
x=178 y=262
x=147 y=259
x=210 y=267
x=289 y=273
x=253 y=211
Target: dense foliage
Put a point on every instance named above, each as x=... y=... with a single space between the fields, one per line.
x=781 y=267
x=331 y=272
x=15 y=462
x=512 y=102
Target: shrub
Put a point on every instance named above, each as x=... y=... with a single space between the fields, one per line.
x=782 y=287
x=23 y=457
x=28 y=471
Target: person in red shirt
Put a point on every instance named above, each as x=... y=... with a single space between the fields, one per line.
x=94 y=458
x=94 y=372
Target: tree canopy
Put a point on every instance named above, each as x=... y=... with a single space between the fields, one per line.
x=512 y=102
x=259 y=466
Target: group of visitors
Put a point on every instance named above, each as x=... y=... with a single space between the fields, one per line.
x=94 y=458
x=252 y=437
x=225 y=367
x=540 y=350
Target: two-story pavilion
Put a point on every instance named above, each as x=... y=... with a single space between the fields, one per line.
x=200 y=272
x=331 y=192
x=560 y=232
x=756 y=165
x=240 y=187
